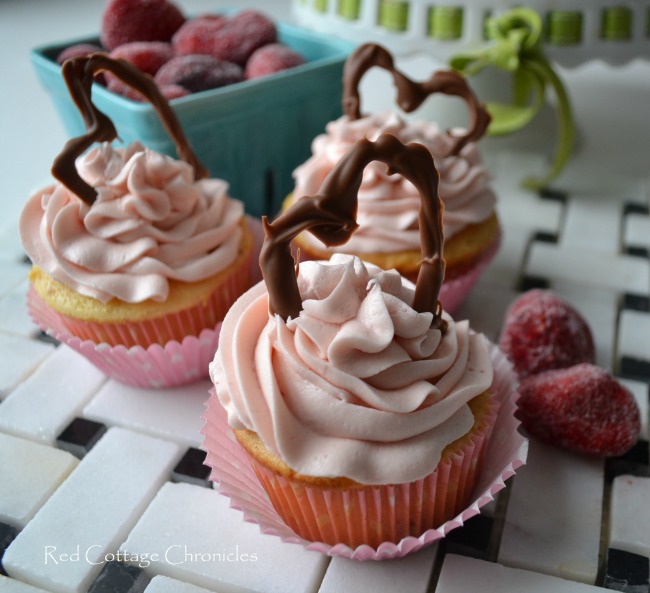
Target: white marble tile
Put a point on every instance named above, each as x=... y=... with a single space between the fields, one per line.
x=604 y=228
x=198 y=538
x=20 y=356
x=505 y=269
x=14 y=318
x=639 y=390
x=636 y=232
x=8 y=585
x=461 y=574
x=162 y=584
x=552 y=524
x=173 y=414
x=589 y=267
x=11 y=247
x=29 y=474
x=486 y=306
x=91 y=513
x=599 y=307
x=410 y=574
x=12 y=273
x=42 y=406
x=634 y=335
x=629 y=528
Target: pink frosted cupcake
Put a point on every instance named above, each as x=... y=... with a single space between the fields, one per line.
x=364 y=410
x=135 y=253
x=388 y=233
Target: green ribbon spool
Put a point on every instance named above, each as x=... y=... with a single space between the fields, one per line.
x=564 y=27
x=516 y=47
x=445 y=23
x=616 y=24
x=349 y=9
x=393 y=15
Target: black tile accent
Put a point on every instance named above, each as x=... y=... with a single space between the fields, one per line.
x=472 y=539
x=7 y=535
x=191 y=469
x=532 y=282
x=627 y=572
x=634 y=368
x=545 y=237
x=635 y=251
x=80 y=436
x=557 y=195
x=636 y=302
x=118 y=577
x=43 y=337
x=635 y=208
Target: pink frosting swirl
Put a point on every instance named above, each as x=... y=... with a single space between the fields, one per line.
x=359 y=385
x=389 y=204
x=151 y=223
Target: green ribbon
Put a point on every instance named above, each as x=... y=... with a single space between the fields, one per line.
x=517 y=48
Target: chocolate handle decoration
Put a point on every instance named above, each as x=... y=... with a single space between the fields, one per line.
x=330 y=216
x=411 y=94
x=78 y=74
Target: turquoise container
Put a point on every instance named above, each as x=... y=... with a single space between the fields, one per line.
x=252 y=134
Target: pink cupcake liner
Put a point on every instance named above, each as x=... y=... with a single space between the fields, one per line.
x=174 y=363
x=165 y=364
x=454 y=292
x=232 y=470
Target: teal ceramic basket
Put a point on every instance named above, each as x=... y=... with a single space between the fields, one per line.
x=252 y=134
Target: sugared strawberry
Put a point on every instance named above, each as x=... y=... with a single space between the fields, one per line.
x=196 y=36
x=170 y=91
x=124 y=21
x=146 y=56
x=272 y=58
x=542 y=331
x=198 y=73
x=582 y=408
x=245 y=32
x=79 y=50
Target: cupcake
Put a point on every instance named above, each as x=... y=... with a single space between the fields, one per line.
x=134 y=250
x=388 y=233
x=363 y=408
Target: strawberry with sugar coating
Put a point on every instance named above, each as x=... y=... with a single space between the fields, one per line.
x=245 y=32
x=198 y=73
x=542 y=331
x=582 y=408
x=197 y=35
x=79 y=50
x=124 y=21
x=272 y=58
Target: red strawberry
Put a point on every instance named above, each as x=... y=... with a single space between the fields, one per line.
x=196 y=36
x=124 y=21
x=247 y=31
x=272 y=58
x=582 y=408
x=541 y=332
x=80 y=50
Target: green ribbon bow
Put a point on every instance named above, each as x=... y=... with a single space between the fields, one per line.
x=517 y=36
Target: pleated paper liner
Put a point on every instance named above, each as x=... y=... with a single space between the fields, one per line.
x=164 y=364
x=233 y=471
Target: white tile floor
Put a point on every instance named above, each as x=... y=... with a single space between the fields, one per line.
x=548 y=531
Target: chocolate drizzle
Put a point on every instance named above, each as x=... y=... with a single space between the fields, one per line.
x=331 y=216
x=411 y=94
x=78 y=74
